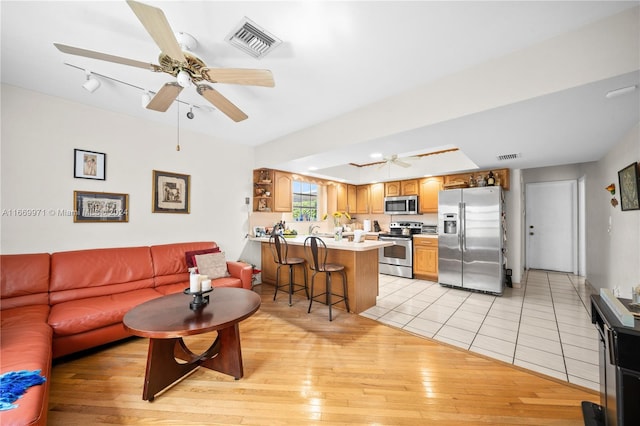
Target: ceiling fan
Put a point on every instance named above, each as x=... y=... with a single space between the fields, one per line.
x=187 y=68
x=394 y=159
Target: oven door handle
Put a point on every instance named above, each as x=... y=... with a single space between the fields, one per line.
x=393 y=239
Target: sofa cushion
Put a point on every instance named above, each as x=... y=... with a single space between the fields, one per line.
x=190 y=255
x=213 y=265
x=78 y=316
x=24 y=280
x=99 y=272
x=169 y=263
x=24 y=316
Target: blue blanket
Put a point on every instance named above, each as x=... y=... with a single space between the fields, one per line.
x=14 y=384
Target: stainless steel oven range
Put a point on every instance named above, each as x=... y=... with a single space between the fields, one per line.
x=397 y=259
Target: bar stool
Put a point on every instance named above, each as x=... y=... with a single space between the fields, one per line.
x=316 y=254
x=280 y=251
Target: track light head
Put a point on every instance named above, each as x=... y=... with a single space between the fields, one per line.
x=91 y=84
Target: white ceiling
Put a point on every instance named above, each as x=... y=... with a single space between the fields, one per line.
x=336 y=58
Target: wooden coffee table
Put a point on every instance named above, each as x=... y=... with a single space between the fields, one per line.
x=166 y=320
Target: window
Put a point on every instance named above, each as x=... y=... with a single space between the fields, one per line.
x=305 y=201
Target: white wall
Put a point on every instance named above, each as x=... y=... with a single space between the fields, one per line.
x=39 y=134
x=613 y=251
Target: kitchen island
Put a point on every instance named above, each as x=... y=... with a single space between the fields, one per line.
x=360 y=261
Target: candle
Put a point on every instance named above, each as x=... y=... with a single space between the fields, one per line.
x=206 y=285
x=194 y=283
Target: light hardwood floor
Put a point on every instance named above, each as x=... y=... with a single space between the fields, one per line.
x=302 y=369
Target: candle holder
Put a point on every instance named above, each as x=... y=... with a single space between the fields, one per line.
x=199 y=300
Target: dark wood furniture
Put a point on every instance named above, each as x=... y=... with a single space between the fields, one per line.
x=166 y=320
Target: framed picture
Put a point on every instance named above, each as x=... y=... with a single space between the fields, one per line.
x=89 y=164
x=100 y=207
x=629 y=194
x=171 y=192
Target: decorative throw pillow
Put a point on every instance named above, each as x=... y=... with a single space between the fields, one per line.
x=214 y=265
x=189 y=255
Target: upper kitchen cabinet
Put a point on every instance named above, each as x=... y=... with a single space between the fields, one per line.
x=362 y=199
x=428 y=196
x=262 y=190
x=392 y=189
x=283 y=190
x=376 y=198
x=464 y=180
x=272 y=191
x=346 y=198
x=409 y=187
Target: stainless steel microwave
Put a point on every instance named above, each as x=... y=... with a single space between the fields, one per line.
x=406 y=204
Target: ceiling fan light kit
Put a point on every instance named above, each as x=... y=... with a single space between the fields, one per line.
x=187 y=69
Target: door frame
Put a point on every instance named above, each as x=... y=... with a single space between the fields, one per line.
x=576 y=249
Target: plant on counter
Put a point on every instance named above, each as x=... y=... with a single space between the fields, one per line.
x=337 y=217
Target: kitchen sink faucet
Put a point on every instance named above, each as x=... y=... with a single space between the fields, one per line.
x=312 y=227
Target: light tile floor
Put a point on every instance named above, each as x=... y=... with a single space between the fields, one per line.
x=544 y=326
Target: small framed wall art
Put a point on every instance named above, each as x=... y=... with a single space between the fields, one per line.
x=89 y=164
x=629 y=193
x=171 y=192
x=100 y=207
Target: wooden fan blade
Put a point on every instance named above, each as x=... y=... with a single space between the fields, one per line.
x=158 y=28
x=222 y=103
x=248 y=77
x=165 y=97
x=105 y=57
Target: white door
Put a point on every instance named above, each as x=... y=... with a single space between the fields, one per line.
x=551 y=226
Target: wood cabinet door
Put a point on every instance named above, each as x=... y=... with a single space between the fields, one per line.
x=352 y=199
x=282 y=196
x=376 y=198
x=342 y=200
x=392 y=189
x=429 y=188
x=409 y=187
x=268 y=265
x=362 y=199
x=425 y=258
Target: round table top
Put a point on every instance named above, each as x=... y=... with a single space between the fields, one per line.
x=170 y=316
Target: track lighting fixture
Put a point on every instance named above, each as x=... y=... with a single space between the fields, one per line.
x=146 y=98
x=184 y=79
x=190 y=113
x=91 y=84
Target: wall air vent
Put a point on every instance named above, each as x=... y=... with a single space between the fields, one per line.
x=508 y=157
x=251 y=39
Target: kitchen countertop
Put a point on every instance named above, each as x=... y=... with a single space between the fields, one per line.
x=331 y=243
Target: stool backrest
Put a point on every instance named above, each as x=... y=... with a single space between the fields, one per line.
x=279 y=248
x=315 y=250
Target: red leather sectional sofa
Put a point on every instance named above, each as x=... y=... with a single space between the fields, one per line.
x=57 y=304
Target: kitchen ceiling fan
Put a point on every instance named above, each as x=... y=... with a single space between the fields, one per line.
x=176 y=61
x=394 y=159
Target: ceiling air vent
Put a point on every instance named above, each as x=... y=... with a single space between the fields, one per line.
x=251 y=39
x=508 y=157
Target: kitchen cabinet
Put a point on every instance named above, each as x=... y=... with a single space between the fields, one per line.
x=376 y=198
x=282 y=192
x=428 y=194
x=362 y=199
x=262 y=190
x=425 y=258
x=392 y=189
x=346 y=198
x=409 y=187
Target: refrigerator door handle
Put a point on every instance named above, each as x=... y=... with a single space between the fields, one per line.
x=463 y=223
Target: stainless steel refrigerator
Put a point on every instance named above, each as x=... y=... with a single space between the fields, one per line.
x=471 y=239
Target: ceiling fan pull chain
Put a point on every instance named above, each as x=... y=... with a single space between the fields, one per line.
x=178 y=127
